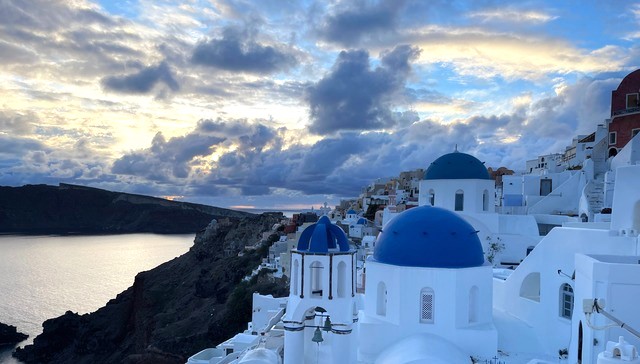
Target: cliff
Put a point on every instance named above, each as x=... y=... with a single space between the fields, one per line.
x=69 y=209
x=190 y=303
x=9 y=335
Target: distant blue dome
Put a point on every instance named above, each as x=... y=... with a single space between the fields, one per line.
x=457 y=165
x=431 y=237
x=322 y=236
x=351 y=212
x=361 y=221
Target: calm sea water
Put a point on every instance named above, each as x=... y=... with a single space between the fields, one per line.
x=44 y=276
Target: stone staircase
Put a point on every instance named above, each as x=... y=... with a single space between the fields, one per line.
x=595 y=194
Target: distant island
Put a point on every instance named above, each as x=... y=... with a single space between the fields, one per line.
x=72 y=209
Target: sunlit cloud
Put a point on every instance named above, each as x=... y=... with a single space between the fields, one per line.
x=475 y=52
x=511 y=15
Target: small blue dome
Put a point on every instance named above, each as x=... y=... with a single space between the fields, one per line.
x=322 y=236
x=361 y=221
x=351 y=212
x=457 y=165
x=431 y=237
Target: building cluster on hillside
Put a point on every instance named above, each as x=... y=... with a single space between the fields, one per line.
x=445 y=265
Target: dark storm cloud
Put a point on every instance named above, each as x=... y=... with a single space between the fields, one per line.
x=360 y=19
x=142 y=81
x=166 y=160
x=355 y=97
x=238 y=51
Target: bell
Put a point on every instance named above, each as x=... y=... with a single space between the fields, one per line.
x=317 y=336
x=327 y=325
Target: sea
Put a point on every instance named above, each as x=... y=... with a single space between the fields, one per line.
x=42 y=277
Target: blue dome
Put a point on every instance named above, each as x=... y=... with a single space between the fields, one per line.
x=457 y=165
x=351 y=212
x=361 y=221
x=431 y=237
x=322 y=236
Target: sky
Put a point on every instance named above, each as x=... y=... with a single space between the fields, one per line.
x=287 y=104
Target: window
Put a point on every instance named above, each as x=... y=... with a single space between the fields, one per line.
x=530 y=287
x=342 y=279
x=632 y=101
x=426 y=306
x=485 y=200
x=612 y=137
x=381 y=304
x=473 y=304
x=566 y=301
x=634 y=132
x=459 y=204
x=316 y=279
x=294 y=278
x=432 y=197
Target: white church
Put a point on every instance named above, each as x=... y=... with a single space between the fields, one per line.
x=431 y=296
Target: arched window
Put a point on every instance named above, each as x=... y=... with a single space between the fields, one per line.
x=485 y=200
x=473 y=304
x=459 y=206
x=381 y=305
x=530 y=287
x=316 y=279
x=427 y=305
x=432 y=197
x=294 y=277
x=566 y=301
x=342 y=279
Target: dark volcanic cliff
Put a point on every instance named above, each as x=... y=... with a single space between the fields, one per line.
x=9 y=335
x=42 y=209
x=172 y=311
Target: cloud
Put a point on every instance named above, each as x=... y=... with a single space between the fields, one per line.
x=143 y=81
x=15 y=54
x=354 y=97
x=512 y=15
x=475 y=52
x=166 y=160
x=348 y=25
x=13 y=146
x=238 y=51
x=17 y=123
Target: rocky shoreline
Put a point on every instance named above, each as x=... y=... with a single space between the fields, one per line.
x=190 y=303
x=9 y=335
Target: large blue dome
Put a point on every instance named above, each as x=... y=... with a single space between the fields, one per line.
x=322 y=237
x=457 y=165
x=431 y=237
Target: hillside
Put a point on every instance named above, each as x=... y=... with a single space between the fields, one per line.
x=172 y=311
x=70 y=209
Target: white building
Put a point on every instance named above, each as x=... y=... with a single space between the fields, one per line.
x=460 y=182
x=430 y=293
